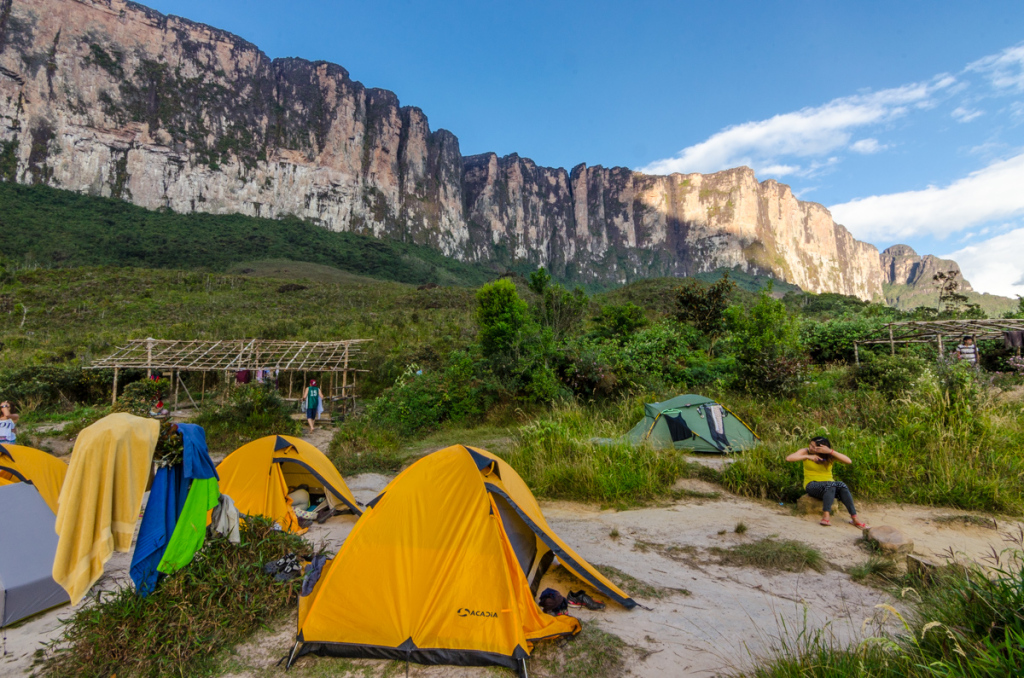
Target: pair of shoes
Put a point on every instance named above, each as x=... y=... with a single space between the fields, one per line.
x=285 y=568
x=581 y=599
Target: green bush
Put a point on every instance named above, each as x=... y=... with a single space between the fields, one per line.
x=892 y=376
x=252 y=411
x=140 y=397
x=767 y=346
x=832 y=340
x=424 y=400
x=619 y=322
x=57 y=386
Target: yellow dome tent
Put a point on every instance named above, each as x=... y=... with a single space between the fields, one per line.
x=258 y=474
x=35 y=467
x=442 y=569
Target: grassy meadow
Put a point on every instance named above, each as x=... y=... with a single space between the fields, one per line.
x=532 y=371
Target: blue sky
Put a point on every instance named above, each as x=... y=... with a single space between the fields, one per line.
x=906 y=119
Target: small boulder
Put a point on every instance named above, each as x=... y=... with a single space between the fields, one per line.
x=889 y=540
x=808 y=505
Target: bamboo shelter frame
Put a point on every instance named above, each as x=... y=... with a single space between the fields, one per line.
x=937 y=331
x=233 y=355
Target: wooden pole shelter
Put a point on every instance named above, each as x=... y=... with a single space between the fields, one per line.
x=174 y=358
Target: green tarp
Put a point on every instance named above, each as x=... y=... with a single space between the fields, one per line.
x=692 y=422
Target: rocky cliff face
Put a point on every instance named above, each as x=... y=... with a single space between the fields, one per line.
x=901 y=265
x=114 y=99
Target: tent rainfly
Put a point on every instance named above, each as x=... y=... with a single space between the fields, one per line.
x=442 y=569
x=691 y=422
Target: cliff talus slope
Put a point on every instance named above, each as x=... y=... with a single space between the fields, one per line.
x=112 y=98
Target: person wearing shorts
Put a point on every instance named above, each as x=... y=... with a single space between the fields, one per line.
x=311 y=401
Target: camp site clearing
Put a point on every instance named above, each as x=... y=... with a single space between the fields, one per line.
x=696 y=616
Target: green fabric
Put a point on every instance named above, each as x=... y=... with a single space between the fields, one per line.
x=313 y=397
x=190 y=531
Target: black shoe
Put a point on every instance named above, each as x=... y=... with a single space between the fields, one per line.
x=581 y=599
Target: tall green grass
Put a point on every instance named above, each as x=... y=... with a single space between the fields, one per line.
x=558 y=457
x=944 y=443
x=221 y=598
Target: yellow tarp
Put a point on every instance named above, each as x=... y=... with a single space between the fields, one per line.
x=428 y=573
x=101 y=497
x=43 y=470
x=257 y=476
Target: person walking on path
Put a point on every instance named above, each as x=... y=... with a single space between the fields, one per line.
x=313 y=403
x=7 y=422
x=818 y=458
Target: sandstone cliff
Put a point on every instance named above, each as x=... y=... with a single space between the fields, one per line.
x=115 y=99
x=908 y=282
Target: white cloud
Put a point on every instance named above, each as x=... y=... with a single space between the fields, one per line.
x=867 y=146
x=780 y=170
x=961 y=114
x=994 y=192
x=804 y=133
x=995 y=265
x=1004 y=70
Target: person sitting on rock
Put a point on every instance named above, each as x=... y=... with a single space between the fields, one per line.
x=818 y=458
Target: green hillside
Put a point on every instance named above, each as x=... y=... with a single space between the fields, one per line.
x=51 y=227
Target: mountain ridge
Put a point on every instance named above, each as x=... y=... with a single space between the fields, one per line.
x=115 y=99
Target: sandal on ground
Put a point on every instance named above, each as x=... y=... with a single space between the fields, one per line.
x=826 y=522
x=858 y=524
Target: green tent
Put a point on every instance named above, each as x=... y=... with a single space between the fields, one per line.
x=692 y=422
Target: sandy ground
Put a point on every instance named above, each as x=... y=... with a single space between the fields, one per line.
x=717 y=620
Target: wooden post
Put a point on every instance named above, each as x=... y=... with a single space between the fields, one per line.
x=114 y=399
x=892 y=344
x=941 y=350
x=856 y=354
x=290 y=376
x=149 y=358
x=176 y=376
x=202 y=396
x=344 y=382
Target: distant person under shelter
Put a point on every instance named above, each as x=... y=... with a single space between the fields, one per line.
x=968 y=351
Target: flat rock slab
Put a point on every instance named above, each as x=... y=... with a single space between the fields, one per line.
x=889 y=540
x=808 y=505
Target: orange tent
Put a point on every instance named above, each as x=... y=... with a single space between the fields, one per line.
x=439 y=570
x=258 y=474
x=35 y=467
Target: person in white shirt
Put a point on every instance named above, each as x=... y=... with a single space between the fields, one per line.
x=7 y=422
x=967 y=351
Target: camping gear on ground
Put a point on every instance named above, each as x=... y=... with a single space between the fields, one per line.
x=441 y=569
x=258 y=475
x=284 y=569
x=20 y=464
x=30 y=483
x=28 y=544
x=224 y=520
x=581 y=599
x=553 y=602
x=101 y=497
x=690 y=422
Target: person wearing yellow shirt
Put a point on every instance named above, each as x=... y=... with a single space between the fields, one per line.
x=818 y=458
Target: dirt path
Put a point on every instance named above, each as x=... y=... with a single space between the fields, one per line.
x=710 y=618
